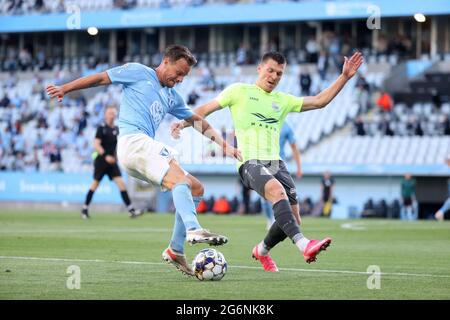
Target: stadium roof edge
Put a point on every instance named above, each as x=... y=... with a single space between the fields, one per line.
x=229 y=14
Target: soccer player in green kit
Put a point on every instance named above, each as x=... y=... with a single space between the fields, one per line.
x=258 y=114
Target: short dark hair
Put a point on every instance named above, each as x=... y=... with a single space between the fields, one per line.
x=274 y=55
x=110 y=106
x=176 y=52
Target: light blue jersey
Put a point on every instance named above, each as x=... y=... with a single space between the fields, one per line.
x=145 y=102
x=286 y=134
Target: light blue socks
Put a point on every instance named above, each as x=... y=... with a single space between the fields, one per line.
x=185 y=215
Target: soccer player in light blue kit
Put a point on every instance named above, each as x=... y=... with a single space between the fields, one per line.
x=148 y=95
x=286 y=135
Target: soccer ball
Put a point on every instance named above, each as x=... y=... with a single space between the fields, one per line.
x=209 y=264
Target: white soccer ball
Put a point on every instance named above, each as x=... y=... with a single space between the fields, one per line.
x=209 y=264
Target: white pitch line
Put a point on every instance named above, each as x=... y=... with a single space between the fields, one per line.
x=237 y=267
x=353 y=226
x=120 y=230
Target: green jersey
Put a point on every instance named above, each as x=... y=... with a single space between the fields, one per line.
x=408 y=188
x=258 y=117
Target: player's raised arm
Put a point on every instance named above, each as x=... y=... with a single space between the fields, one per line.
x=203 y=111
x=203 y=126
x=349 y=69
x=93 y=80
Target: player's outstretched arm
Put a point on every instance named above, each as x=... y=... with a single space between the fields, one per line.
x=98 y=79
x=203 y=126
x=349 y=69
x=203 y=111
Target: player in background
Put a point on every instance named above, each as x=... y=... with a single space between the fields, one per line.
x=148 y=95
x=105 y=145
x=286 y=135
x=258 y=114
x=444 y=212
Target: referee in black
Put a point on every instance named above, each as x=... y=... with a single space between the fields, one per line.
x=106 y=162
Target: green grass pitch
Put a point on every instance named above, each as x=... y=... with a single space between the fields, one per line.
x=120 y=258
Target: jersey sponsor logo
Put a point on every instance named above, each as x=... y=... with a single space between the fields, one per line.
x=253 y=98
x=264 y=118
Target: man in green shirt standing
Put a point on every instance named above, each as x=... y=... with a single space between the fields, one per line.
x=408 y=190
x=258 y=114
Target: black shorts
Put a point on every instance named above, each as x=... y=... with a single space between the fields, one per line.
x=256 y=173
x=101 y=167
x=407 y=201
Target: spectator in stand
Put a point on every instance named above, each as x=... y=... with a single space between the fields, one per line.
x=436 y=98
x=5 y=101
x=418 y=131
x=382 y=46
x=207 y=78
x=39 y=5
x=312 y=49
x=385 y=102
x=6 y=140
x=54 y=154
x=241 y=55
x=335 y=50
x=359 y=126
x=85 y=154
x=385 y=126
x=32 y=161
x=25 y=59
x=19 y=163
x=125 y=4
x=18 y=140
x=322 y=64
x=305 y=82
x=361 y=83
x=82 y=121
x=363 y=88
x=192 y=98
x=197 y=3
x=446 y=125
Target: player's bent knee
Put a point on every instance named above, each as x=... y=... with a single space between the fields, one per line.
x=274 y=191
x=197 y=188
x=174 y=177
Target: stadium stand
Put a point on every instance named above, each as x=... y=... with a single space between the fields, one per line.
x=63 y=122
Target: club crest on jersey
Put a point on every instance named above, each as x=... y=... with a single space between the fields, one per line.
x=157 y=112
x=164 y=152
x=275 y=107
